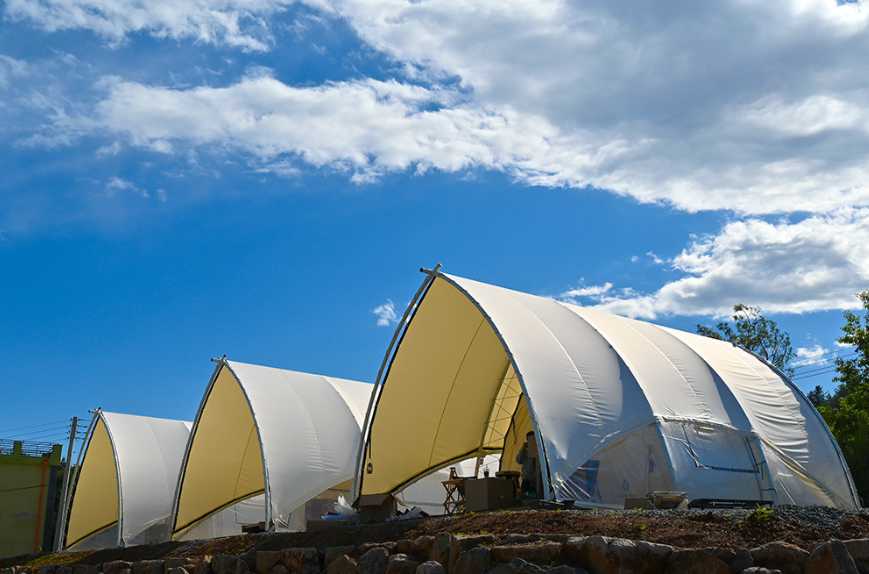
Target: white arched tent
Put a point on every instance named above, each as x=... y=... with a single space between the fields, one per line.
x=266 y=444
x=619 y=408
x=123 y=491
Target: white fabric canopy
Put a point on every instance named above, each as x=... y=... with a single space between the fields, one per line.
x=282 y=437
x=124 y=489
x=620 y=407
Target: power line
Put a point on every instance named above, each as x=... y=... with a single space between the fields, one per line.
x=47 y=431
x=818 y=368
x=25 y=428
x=825 y=360
x=815 y=374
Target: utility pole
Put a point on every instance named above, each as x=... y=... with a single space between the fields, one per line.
x=67 y=474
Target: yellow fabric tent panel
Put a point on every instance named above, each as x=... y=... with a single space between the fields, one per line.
x=224 y=465
x=437 y=399
x=95 y=504
x=520 y=426
x=502 y=410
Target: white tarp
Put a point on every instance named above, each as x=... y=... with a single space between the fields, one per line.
x=143 y=455
x=622 y=407
x=307 y=430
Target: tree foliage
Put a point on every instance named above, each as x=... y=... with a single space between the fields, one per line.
x=847 y=409
x=751 y=330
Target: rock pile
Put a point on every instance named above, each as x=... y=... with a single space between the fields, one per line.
x=511 y=554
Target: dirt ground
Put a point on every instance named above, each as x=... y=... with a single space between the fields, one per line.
x=805 y=527
x=687 y=529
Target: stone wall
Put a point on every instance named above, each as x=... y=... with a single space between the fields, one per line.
x=510 y=554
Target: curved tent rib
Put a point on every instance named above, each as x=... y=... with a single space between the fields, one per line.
x=122 y=495
x=285 y=436
x=620 y=407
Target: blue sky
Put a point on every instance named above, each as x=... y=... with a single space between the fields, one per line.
x=177 y=188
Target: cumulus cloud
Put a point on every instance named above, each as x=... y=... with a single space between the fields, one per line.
x=755 y=107
x=587 y=291
x=385 y=314
x=236 y=23
x=362 y=127
x=815 y=264
x=750 y=106
x=814 y=355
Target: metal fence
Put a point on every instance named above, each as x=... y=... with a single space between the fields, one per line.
x=25 y=447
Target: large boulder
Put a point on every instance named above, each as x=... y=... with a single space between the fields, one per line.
x=460 y=544
x=421 y=547
x=430 y=567
x=374 y=561
x=603 y=555
x=113 y=567
x=226 y=564
x=390 y=547
x=539 y=553
x=830 y=558
x=472 y=561
x=780 y=555
x=441 y=548
x=401 y=564
x=738 y=559
x=334 y=552
x=517 y=566
x=265 y=560
x=565 y=569
x=760 y=570
x=301 y=560
x=342 y=565
x=148 y=567
x=695 y=561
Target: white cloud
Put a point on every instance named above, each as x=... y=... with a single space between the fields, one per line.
x=10 y=69
x=655 y=259
x=587 y=291
x=116 y=185
x=814 y=355
x=109 y=150
x=385 y=314
x=237 y=23
x=365 y=127
x=815 y=264
x=750 y=106
x=755 y=107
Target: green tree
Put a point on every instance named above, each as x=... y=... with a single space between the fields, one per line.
x=847 y=409
x=818 y=396
x=751 y=330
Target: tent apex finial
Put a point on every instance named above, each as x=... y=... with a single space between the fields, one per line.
x=434 y=271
